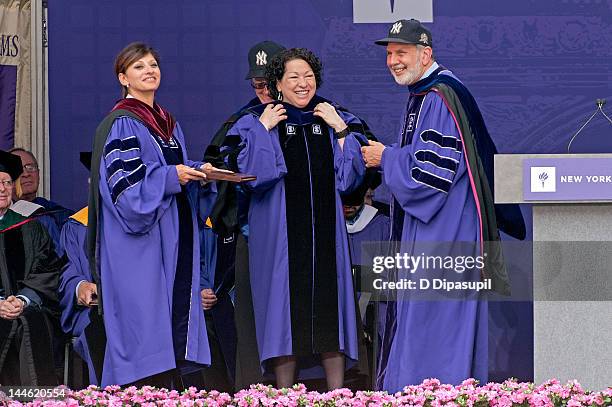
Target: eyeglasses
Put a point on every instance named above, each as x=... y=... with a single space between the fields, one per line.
x=7 y=183
x=30 y=167
x=259 y=84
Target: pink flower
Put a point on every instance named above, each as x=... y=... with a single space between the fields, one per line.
x=504 y=401
x=430 y=393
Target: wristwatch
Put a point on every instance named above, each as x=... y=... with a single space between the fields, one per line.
x=342 y=134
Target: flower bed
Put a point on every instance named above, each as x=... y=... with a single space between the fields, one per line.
x=430 y=393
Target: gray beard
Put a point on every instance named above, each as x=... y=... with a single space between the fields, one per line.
x=408 y=78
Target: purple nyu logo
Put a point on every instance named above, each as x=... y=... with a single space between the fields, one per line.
x=543 y=179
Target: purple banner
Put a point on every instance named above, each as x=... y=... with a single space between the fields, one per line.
x=8 y=82
x=567 y=179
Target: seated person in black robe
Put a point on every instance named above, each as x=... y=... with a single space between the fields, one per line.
x=29 y=271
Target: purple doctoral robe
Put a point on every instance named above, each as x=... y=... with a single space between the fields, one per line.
x=371 y=228
x=138 y=232
x=53 y=221
x=427 y=175
x=375 y=229
x=271 y=254
x=75 y=318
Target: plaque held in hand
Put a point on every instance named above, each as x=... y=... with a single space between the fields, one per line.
x=226 y=175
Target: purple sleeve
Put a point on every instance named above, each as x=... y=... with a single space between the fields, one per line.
x=140 y=189
x=261 y=153
x=386 y=229
x=421 y=174
x=202 y=198
x=73 y=239
x=208 y=257
x=348 y=161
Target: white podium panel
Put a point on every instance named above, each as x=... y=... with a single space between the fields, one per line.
x=572 y=281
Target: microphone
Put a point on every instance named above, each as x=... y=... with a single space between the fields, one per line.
x=600 y=104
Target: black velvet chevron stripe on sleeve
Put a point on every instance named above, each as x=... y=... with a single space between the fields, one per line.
x=119 y=164
x=432 y=136
x=125 y=182
x=431 y=180
x=437 y=160
x=122 y=145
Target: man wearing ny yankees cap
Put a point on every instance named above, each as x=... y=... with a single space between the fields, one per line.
x=260 y=55
x=440 y=174
x=224 y=242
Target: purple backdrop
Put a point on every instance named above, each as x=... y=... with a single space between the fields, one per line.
x=8 y=83
x=535 y=67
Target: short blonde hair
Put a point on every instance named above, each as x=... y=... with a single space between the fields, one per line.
x=18 y=192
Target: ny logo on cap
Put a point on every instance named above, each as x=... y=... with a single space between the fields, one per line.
x=261 y=58
x=424 y=39
x=396 y=28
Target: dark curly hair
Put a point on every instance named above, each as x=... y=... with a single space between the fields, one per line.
x=276 y=67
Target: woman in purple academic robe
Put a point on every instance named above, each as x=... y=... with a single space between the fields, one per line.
x=147 y=234
x=304 y=156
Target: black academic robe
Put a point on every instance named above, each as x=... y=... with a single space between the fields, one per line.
x=28 y=266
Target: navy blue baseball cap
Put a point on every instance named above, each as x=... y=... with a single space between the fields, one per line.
x=407 y=32
x=259 y=56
